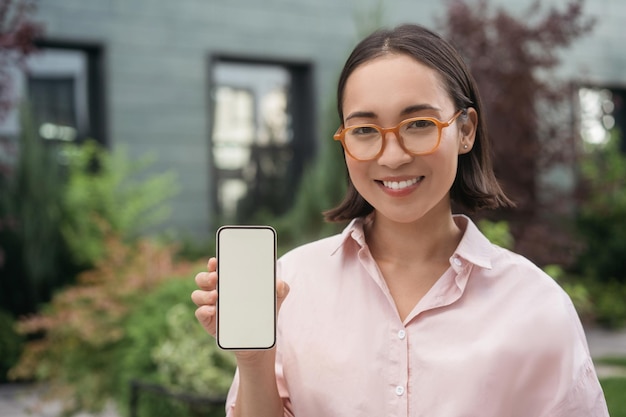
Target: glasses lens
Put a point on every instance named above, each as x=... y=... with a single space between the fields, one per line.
x=363 y=142
x=419 y=135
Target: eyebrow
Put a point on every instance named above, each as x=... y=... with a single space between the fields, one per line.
x=404 y=112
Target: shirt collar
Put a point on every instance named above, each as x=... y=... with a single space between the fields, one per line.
x=474 y=246
x=354 y=231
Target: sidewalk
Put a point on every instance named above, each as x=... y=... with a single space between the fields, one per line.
x=17 y=400
x=606 y=344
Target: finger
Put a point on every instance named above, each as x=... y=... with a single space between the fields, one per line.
x=206 y=280
x=212 y=264
x=206 y=317
x=201 y=298
x=282 y=290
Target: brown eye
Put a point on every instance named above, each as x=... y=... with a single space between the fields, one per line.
x=363 y=131
x=420 y=124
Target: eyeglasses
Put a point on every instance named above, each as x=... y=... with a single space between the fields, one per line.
x=416 y=136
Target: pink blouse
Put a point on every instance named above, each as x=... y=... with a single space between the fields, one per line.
x=494 y=337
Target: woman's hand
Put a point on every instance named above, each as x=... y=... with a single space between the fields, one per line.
x=258 y=392
x=205 y=297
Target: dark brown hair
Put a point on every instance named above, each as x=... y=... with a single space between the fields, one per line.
x=475 y=186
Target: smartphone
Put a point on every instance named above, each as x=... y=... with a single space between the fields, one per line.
x=246 y=287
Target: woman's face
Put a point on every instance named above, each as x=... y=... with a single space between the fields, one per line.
x=400 y=186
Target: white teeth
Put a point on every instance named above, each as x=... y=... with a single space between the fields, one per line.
x=398 y=185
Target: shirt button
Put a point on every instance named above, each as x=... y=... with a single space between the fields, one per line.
x=401 y=334
x=399 y=390
x=456 y=261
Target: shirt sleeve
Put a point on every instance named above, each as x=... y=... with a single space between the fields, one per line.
x=585 y=397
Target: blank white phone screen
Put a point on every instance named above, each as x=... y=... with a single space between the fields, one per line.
x=246 y=304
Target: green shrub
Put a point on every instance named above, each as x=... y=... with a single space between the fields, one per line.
x=498 y=233
x=601 y=220
x=129 y=318
x=10 y=344
x=144 y=329
x=165 y=345
x=189 y=359
x=31 y=246
x=108 y=188
x=601 y=225
x=82 y=328
x=57 y=205
x=610 y=303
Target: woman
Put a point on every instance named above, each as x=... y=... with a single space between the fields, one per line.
x=411 y=311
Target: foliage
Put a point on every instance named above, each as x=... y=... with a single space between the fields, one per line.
x=128 y=318
x=601 y=226
x=518 y=54
x=515 y=54
x=144 y=328
x=17 y=34
x=83 y=326
x=610 y=308
x=165 y=345
x=601 y=219
x=55 y=206
x=109 y=187
x=29 y=224
x=10 y=343
x=614 y=389
x=178 y=360
x=498 y=233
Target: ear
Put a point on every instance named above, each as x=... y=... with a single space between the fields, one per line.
x=469 y=125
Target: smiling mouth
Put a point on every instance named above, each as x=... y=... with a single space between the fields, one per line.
x=400 y=185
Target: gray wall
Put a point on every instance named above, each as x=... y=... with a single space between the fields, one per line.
x=157 y=54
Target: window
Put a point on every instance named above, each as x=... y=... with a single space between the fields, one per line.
x=261 y=136
x=602 y=111
x=63 y=85
x=66 y=92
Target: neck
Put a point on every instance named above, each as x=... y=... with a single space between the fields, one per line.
x=431 y=239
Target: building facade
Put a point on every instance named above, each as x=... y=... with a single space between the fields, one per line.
x=234 y=96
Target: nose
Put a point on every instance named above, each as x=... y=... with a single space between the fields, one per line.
x=393 y=154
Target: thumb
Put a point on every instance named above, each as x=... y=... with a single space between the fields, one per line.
x=282 y=289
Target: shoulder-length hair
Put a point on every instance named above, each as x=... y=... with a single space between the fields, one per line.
x=475 y=186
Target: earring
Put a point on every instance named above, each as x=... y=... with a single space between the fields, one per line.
x=464 y=146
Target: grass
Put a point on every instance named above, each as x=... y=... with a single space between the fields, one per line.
x=613 y=361
x=614 y=392
x=614 y=387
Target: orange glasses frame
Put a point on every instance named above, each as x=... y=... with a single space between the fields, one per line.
x=341 y=133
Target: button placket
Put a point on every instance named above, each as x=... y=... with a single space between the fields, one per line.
x=399 y=355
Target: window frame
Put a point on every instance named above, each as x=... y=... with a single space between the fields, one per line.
x=95 y=52
x=301 y=107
